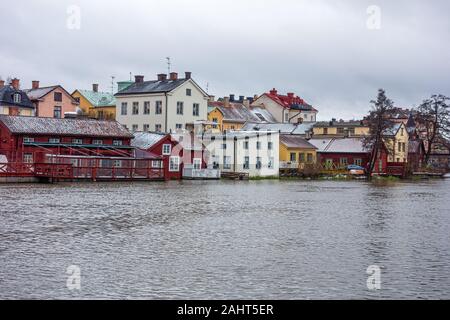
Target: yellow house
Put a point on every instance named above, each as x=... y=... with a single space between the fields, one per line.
x=396 y=140
x=295 y=152
x=229 y=116
x=95 y=104
x=340 y=128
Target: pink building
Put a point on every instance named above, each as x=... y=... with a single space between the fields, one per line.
x=51 y=102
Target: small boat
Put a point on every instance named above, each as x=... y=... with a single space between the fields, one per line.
x=447 y=175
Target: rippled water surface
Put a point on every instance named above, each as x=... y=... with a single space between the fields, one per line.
x=249 y=240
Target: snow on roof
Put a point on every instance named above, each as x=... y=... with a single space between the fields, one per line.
x=145 y=140
x=339 y=145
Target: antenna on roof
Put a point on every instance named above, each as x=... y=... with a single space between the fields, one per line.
x=130 y=76
x=112 y=84
x=207 y=87
x=168 y=64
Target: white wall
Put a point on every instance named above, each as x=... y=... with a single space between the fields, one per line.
x=237 y=153
x=152 y=119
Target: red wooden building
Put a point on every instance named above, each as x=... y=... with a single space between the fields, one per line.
x=71 y=149
x=180 y=152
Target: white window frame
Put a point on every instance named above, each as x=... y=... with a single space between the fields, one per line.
x=54 y=140
x=124 y=108
x=28 y=158
x=17 y=98
x=174 y=164
x=97 y=142
x=180 y=108
x=77 y=141
x=117 y=142
x=197 y=163
x=157 y=164
x=167 y=149
x=28 y=139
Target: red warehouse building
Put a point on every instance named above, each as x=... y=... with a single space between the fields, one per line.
x=82 y=148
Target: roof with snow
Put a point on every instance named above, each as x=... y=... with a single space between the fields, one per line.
x=339 y=145
x=293 y=141
x=146 y=140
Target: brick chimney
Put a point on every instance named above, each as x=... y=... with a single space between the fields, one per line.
x=162 y=77
x=241 y=99
x=274 y=92
x=95 y=87
x=173 y=76
x=138 y=79
x=188 y=74
x=226 y=101
x=15 y=83
x=231 y=97
x=2 y=83
x=35 y=84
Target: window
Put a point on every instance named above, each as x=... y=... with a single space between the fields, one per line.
x=286 y=117
x=293 y=157
x=28 y=158
x=325 y=130
x=146 y=127
x=309 y=158
x=269 y=145
x=271 y=162
x=28 y=139
x=158 y=107
x=178 y=126
x=117 y=142
x=224 y=146
x=301 y=157
x=57 y=112
x=157 y=164
x=258 y=163
x=398 y=159
x=167 y=149
x=146 y=107
x=188 y=92
x=351 y=131
x=340 y=131
x=357 y=161
x=77 y=99
x=77 y=141
x=158 y=127
x=117 y=163
x=247 y=163
x=197 y=163
x=97 y=141
x=57 y=96
x=404 y=147
x=180 y=107
x=402 y=132
x=124 y=109
x=399 y=147
x=134 y=127
x=17 y=98
x=246 y=144
x=328 y=163
x=174 y=164
x=135 y=109
x=312 y=118
x=54 y=140
x=258 y=145
x=196 y=110
x=343 y=162
x=227 y=162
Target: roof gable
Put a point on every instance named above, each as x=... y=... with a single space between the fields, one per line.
x=98 y=99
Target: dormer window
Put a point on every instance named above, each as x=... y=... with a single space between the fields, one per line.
x=17 y=98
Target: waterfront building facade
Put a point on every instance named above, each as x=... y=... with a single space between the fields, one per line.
x=296 y=152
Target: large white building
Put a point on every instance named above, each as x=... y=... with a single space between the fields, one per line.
x=252 y=152
x=162 y=105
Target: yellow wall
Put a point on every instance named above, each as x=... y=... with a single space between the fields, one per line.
x=109 y=113
x=22 y=111
x=216 y=115
x=285 y=153
x=396 y=154
x=359 y=131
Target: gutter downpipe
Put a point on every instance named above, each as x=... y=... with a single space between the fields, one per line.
x=167 y=110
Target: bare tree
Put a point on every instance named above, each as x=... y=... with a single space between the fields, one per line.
x=433 y=117
x=378 y=121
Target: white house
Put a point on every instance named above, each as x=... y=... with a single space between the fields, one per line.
x=162 y=105
x=286 y=108
x=252 y=152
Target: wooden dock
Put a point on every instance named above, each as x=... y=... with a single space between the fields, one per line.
x=235 y=175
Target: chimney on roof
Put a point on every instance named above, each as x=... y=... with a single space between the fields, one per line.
x=188 y=74
x=290 y=94
x=246 y=102
x=231 y=97
x=255 y=97
x=138 y=79
x=226 y=101
x=162 y=77
x=274 y=92
x=250 y=99
x=241 y=99
x=95 y=87
x=15 y=83
x=2 y=83
x=211 y=98
x=35 y=84
x=173 y=76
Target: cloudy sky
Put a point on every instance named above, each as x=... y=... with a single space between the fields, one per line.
x=334 y=54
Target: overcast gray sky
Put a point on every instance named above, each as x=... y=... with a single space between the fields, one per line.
x=321 y=50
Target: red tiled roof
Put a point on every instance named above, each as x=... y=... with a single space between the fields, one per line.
x=287 y=101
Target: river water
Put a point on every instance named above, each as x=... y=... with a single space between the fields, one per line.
x=225 y=240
